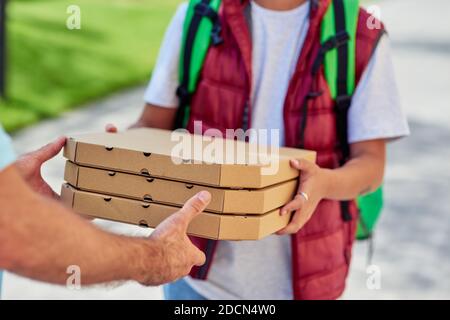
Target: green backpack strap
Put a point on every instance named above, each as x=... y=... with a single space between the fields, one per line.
x=340 y=22
x=201 y=29
x=338 y=34
x=338 y=37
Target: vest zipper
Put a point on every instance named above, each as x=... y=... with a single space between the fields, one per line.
x=311 y=95
x=301 y=144
x=245 y=116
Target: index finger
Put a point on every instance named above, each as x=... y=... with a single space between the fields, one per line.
x=50 y=150
x=294 y=204
x=111 y=128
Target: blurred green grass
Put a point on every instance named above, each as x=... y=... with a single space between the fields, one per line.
x=52 y=69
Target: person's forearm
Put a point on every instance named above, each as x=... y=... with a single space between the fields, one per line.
x=140 y=123
x=362 y=174
x=40 y=239
x=156 y=117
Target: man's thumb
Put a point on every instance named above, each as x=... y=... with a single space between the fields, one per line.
x=194 y=206
x=50 y=150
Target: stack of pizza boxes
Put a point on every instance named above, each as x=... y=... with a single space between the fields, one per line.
x=142 y=176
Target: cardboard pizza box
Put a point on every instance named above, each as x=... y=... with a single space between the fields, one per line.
x=206 y=225
x=244 y=201
x=185 y=157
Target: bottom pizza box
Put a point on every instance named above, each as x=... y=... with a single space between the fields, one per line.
x=206 y=225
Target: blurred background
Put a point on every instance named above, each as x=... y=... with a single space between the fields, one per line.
x=61 y=81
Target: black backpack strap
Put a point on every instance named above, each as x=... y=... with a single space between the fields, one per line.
x=201 y=10
x=343 y=99
x=340 y=39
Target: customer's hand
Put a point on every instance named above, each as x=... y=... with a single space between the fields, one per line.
x=312 y=188
x=29 y=166
x=177 y=254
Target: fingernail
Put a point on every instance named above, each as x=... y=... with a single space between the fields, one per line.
x=204 y=196
x=283 y=212
x=295 y=162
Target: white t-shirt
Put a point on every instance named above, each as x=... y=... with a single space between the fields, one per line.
x=262 y=269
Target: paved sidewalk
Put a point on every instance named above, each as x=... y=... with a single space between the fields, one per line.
x=412 y=247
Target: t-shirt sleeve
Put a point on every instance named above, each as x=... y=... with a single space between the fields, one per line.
x=376 y=111
x=161 y=90
x=7 y=154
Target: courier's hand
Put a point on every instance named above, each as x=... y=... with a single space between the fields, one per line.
x=313 y=185
x=111 y=128
x=29 y=166
x=178 y=255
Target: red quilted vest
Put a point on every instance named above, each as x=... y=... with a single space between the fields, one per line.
x=321 y=250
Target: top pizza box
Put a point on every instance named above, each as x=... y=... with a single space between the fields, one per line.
x=178 y=155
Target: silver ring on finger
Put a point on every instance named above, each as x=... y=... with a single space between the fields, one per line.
x=304 y=195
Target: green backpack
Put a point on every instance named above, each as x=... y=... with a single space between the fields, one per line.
x=338 y=32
